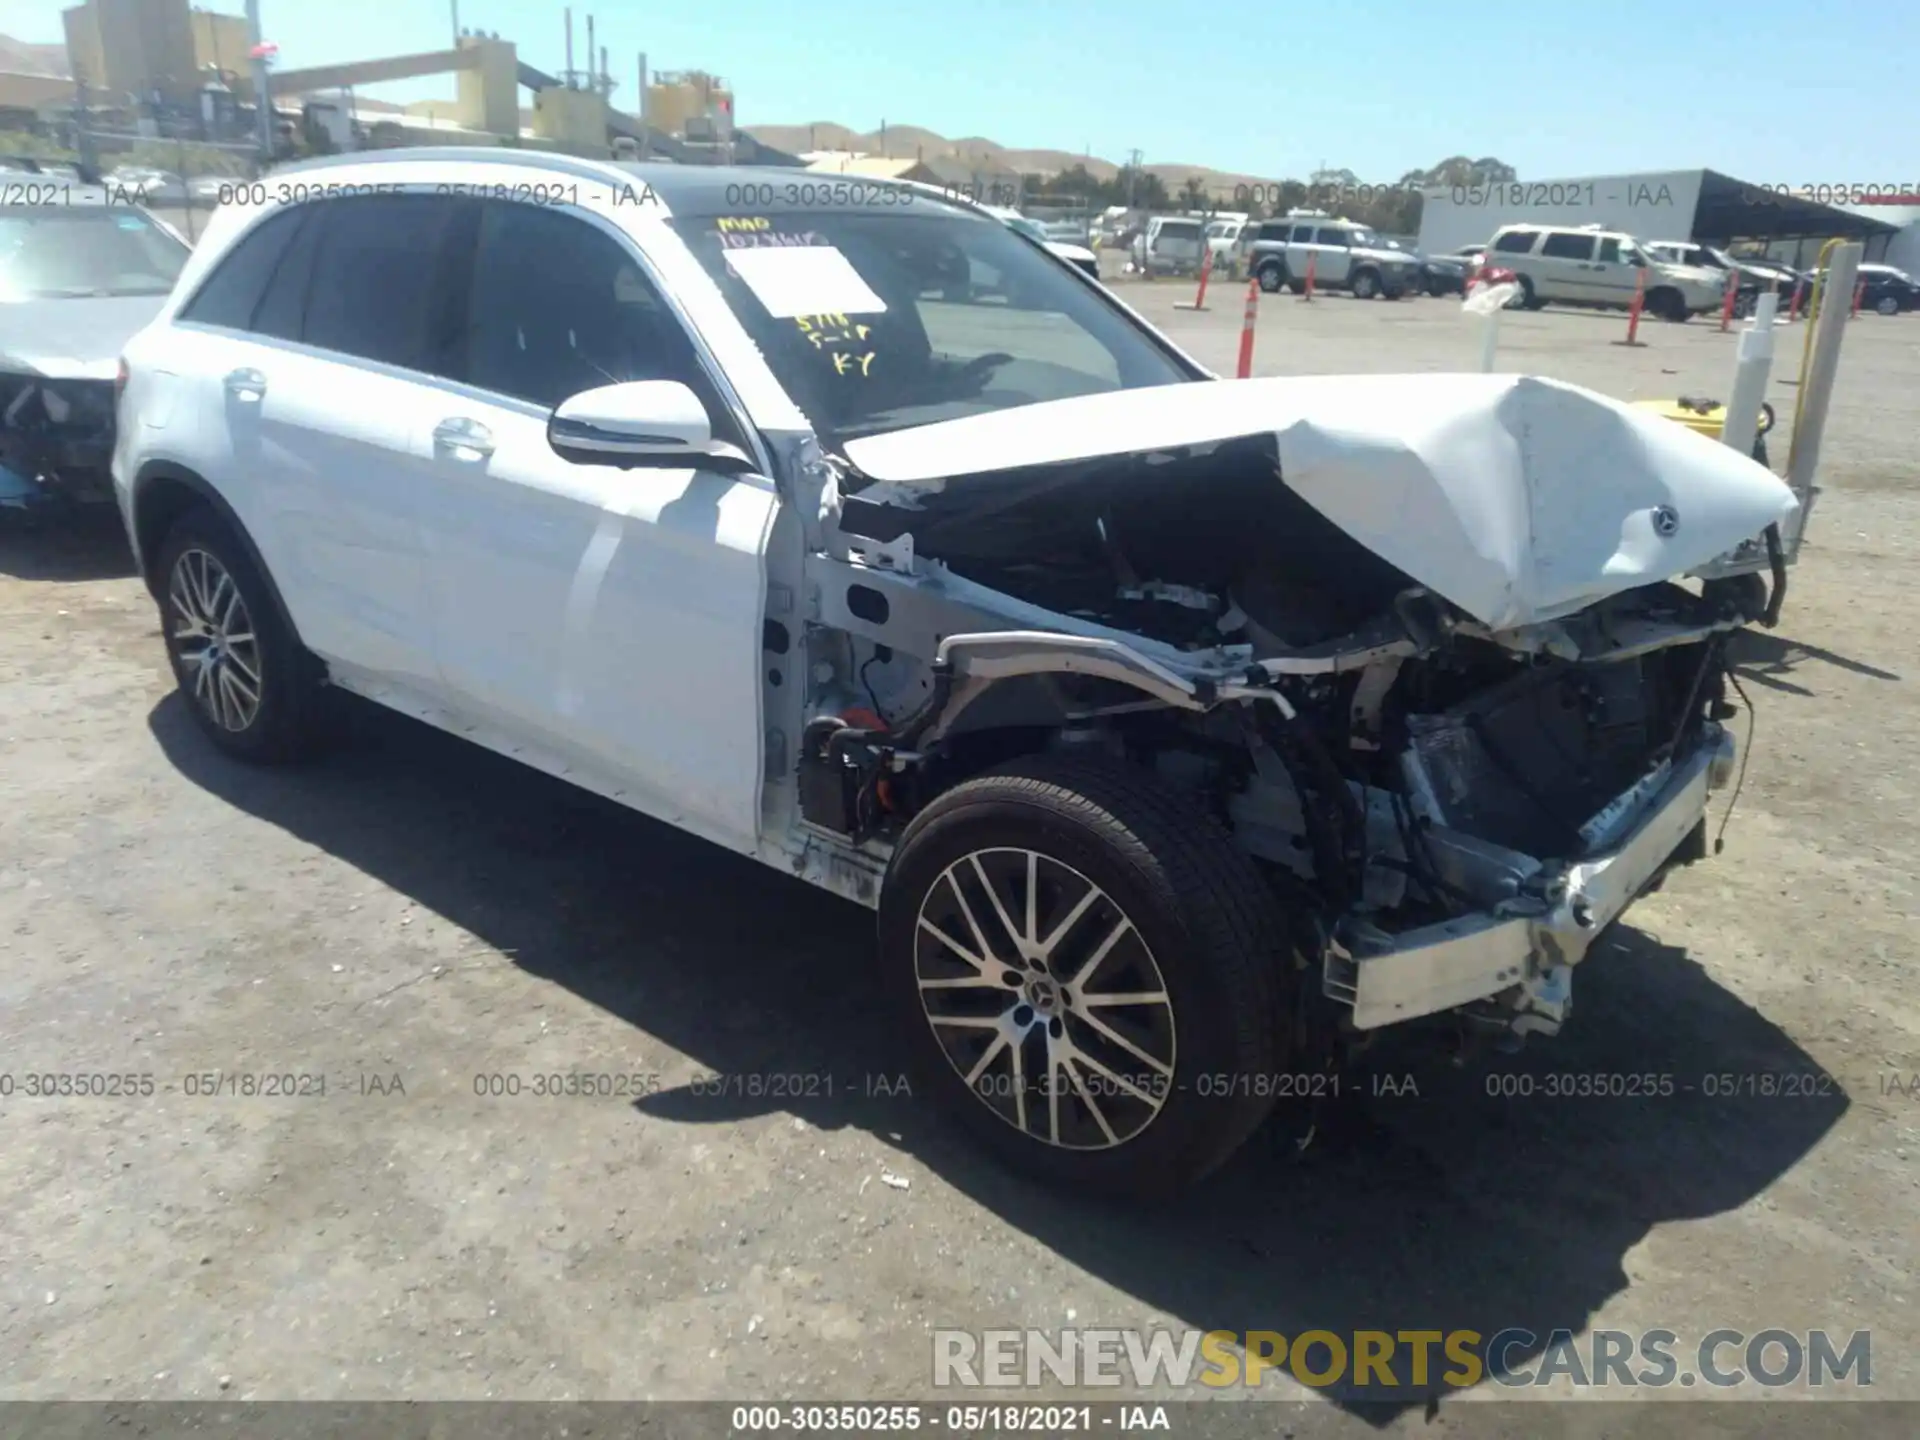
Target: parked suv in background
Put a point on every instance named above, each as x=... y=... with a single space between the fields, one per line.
x=1563 y=266
x=1345 y=256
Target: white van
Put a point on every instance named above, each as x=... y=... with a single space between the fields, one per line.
x=1596 y=267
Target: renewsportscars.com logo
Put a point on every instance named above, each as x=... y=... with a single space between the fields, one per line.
x=1384 y=1362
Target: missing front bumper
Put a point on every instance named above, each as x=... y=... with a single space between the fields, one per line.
x=1523 y=961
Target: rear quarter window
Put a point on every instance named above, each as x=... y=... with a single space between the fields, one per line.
x=230 y=294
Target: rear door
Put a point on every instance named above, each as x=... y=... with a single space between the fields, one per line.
x=1564 y=266
x=311 y=388
x=608 y=620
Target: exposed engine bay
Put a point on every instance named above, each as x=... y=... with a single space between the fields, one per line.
x=1410 y=778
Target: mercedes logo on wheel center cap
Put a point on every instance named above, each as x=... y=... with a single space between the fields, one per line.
x=1666 y=520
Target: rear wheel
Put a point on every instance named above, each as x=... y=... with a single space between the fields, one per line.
x=1089 y=972
x=1887 y=305
x=1669 y=305
x=250 y=686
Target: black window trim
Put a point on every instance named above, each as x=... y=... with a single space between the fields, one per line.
x=305 y=221
x=301 y=211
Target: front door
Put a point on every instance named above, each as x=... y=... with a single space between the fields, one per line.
x=1615 y=273
x=606 y=618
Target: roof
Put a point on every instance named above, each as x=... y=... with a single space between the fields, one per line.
x=1731 y=209
x=29 y=92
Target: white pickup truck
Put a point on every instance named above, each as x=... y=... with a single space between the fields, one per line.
x=1178 y=729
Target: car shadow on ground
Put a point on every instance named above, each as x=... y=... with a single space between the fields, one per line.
x=1769 y=658
x=84 y=543
x=1442 y=1197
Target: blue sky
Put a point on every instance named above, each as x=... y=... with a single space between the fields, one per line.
x=1770 y=92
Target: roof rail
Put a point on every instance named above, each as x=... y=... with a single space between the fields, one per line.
x=502 y=155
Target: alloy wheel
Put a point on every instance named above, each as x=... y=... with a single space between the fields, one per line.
x=1045 y=998
x=210 y=632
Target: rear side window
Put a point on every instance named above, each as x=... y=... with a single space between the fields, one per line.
x=1568 y=246
x=1515 y=242
x=374 y=291
x=229 y=295
x=1303 y=235
x=283 y=307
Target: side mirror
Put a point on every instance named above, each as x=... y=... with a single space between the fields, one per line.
x=640 y=422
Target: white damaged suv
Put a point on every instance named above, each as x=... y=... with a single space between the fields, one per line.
x=1179 y=730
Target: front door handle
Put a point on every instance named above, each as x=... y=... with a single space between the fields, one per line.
x=246 y=384
x=464 y=436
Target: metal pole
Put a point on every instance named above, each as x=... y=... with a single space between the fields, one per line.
x=262 y=101
x=1816 y=389
x=1752 y=367
x=456 y=24
x=568 y=76
x=646 y=126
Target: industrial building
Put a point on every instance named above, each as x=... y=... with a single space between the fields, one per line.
x=159 y=64
x=1699 y=205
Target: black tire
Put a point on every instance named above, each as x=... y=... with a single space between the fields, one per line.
x=1669 y=305
x=1208 y=926
x=1272 y=276
x=1365 y=284
x=1525 y=298
x=1298 y=287
x=1392 y=294
x=285 y=723
x=1887 y=305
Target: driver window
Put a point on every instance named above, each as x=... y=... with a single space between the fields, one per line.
x=558 y=307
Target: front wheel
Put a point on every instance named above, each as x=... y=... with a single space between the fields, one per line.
x=1887 y=305
x=1272 y=277
x=1366 y=285
x=1089 y=971
x=250 y=686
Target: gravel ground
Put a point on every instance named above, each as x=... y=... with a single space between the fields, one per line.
x=414 y=913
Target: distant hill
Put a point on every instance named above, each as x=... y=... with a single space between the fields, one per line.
x=912 y=140
x=21 y=58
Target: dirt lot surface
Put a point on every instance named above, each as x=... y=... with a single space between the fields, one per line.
x=413 y=914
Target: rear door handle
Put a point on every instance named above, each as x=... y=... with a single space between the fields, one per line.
x=465 y=436
x=246 y=384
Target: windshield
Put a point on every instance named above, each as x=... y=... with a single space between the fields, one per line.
x=1364 y=240
x=64 y=252
x=879 y=320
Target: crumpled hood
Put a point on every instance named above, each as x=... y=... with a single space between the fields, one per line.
x=77 y=339
x=1519 y=499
